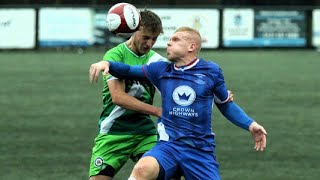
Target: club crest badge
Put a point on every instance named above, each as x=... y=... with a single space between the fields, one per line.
x=98 y=162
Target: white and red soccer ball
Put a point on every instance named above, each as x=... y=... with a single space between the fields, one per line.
x=123 y=19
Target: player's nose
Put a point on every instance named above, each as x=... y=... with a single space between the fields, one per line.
x=150 y=43
x=168 y=44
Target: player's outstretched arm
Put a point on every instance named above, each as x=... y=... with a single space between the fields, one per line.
x=119 y=96
x=237 y=116
x=119 y=70
x=259 y=135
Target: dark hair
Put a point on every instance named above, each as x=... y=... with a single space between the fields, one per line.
x=150 y=21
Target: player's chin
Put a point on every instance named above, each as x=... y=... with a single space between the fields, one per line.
x=170 y=59
x=145 y=50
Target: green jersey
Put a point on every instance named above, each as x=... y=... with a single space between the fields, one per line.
x=117 y=120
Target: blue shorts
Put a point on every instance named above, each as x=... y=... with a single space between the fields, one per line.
x=177 y=158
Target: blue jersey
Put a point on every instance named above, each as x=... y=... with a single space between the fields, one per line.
x=187 y=95
x=187 y=100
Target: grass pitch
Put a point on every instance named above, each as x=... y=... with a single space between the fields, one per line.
x=49 y=114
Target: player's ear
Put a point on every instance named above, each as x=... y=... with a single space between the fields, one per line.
x=192 y=47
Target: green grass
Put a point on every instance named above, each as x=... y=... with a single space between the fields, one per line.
x=49 y=114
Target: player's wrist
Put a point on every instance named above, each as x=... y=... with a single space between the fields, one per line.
x=252 y=125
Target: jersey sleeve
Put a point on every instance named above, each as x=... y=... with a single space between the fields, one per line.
x=124 y=71
x=235 y=114
x=153 y=71
x=113 y=55
x=220 y=89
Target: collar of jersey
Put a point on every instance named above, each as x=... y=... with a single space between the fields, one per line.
x=188 y=66
x=125 y=45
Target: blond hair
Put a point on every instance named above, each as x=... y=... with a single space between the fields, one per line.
x=194 y=36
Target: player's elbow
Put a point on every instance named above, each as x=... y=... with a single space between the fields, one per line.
x=117 y=99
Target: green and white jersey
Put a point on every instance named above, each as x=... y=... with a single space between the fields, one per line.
x=117 y=120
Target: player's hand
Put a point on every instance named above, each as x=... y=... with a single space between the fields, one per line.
x=230 y=95
x=96 y=68
x=259 y=135
x=158 y=112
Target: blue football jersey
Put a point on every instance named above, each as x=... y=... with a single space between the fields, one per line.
x=187 y=100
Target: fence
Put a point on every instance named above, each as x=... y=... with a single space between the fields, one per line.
x=220 y=26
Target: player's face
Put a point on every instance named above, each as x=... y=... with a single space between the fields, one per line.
x=177 y=46
x=144 y=41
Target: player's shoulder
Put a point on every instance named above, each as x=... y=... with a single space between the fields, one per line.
x=210 y=64
x=116 y=53
x=120 y=48
x=158 y=66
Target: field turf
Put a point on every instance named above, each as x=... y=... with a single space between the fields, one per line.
x=49 y=114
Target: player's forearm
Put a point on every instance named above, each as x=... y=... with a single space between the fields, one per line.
x=235 y=114
x=124 y=71
x=131 y=103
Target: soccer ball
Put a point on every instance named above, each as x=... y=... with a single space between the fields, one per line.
x=123 y=19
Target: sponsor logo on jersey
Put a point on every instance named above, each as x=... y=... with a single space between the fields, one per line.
x=184 y=95
x=183 y=112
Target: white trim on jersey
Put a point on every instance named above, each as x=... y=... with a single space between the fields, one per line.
x=135 y=91
x=189 y=66
x=155 y=58
x=126 y=46
x=218 y=101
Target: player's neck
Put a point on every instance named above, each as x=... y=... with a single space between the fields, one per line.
x=130 y=44
x=185 y=62
x=132 y=47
